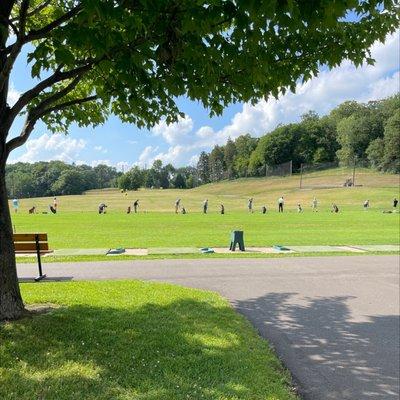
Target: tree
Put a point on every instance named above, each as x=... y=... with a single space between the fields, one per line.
x=229 y=157
x=244 y=145
x=179 y=182
x=203 y=169
x=69 y=182
x=132 y=180
x=216 y=164
x=91 y=58
x=383 y=153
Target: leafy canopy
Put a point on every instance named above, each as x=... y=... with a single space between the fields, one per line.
x=135 y=58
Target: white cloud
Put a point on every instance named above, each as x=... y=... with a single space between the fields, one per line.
x=321 y=94
x=13 y=95
x=51 y=147
x=95 y=163
x=176 y=132
x=123 y=166
x=101 y=149
x=147 y=156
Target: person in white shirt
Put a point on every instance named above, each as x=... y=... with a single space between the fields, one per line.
x=280 y=204
x=314 y=204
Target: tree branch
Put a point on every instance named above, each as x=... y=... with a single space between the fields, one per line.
x=23 y=137
x=57 y=96
x=42 y=32
x=34 y=11
x=10 y=23
x=16 y=47
x=58 y=76
x=67 y=104
x=34 y=116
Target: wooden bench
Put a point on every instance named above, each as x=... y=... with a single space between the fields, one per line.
x=35 y=243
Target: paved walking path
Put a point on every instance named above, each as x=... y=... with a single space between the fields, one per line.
x=333 y=320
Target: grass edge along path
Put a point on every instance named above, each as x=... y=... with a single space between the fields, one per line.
x=237 y=254
x=136 y=340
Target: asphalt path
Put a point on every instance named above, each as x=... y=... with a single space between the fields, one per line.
x=334 y=321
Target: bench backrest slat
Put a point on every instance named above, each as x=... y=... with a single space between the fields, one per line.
x=24 y=246
x=29 y=237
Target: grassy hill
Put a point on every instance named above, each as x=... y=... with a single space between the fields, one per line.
x=326 y=186
x=78 y=225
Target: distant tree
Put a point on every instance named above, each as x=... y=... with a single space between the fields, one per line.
x=384 y=153
x=244 y=145
x=203 y=169
x=229 y=157
x=105 y=176
x=69 y=182
x=216 y=164
x=355 y=134
x=179 y=182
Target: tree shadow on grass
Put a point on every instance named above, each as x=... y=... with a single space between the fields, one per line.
x=188 y=349
x=320 y=343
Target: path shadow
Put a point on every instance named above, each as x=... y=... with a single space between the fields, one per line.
x=187 y=349
x=47 y=279
x=329 y=354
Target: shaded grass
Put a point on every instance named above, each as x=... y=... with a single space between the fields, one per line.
x=145 y=230
x=135 y=340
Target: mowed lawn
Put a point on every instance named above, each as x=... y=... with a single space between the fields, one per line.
x=133 y=340
x=77 y=225
x=144 y=230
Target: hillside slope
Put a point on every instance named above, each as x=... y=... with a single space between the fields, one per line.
x=379 y=188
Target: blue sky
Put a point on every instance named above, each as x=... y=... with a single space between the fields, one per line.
x=123 y=145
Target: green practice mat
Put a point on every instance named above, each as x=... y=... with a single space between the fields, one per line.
x=80 y=252
x=173 y=250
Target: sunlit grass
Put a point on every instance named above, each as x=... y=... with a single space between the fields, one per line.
x=135 y=340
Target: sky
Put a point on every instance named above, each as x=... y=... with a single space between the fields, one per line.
x=124 y=145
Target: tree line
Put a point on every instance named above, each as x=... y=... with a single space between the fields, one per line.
x=54 y=178
x=368 y=134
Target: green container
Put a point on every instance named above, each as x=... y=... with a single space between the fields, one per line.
x=237 y=239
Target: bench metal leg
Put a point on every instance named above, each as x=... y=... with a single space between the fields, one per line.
x=41 y=276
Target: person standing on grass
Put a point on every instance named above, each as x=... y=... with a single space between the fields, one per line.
x=299 y=208
x=366 y=205
x=205 y=206
x=222 y=209
x=250 y=205
x=314 y=204
x=55 y=203
x=15 y=204
x=280 y=204
x=177 y=204
x=136 y=206
x=395 y=202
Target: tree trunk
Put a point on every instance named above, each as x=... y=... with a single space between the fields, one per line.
x=11 y=305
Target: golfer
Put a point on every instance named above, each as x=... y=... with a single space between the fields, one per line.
x=250 y=205
x=205 y=206
x=314 y=204
x=280 y=204
x=136 y=206
x=15 y=203
x=177 y=203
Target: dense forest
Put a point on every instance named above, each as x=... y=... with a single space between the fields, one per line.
x=368 y=134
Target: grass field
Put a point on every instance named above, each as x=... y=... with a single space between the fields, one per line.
x=77 y=225
x=134 y=340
